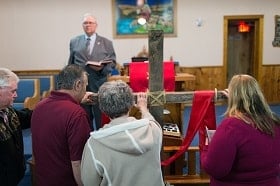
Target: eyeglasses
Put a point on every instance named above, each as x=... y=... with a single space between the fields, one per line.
x=10 y=89
x=89 y=23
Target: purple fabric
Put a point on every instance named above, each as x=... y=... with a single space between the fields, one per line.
x=239 y=154
x=60 y=128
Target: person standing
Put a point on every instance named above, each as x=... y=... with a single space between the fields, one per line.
x=245 y=147
x=12 y=121
x=92 y=47
x=126 y=151
x=60 y=129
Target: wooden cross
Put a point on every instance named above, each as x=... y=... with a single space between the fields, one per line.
x=157 y=96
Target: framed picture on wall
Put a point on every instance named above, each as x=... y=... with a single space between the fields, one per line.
x=276 y=41
x=134 y=18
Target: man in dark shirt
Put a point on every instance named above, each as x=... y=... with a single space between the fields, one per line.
x=12 y=162
x=60 y=129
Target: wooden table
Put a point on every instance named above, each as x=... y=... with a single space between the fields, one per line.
x=184 y=81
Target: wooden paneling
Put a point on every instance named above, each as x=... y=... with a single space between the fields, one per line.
x=36 y=72
x=208 y=78
x=270 y=82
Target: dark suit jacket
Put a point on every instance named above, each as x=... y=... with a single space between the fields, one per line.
x=102 y=49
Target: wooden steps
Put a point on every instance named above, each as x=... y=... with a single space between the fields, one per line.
x=193 y=177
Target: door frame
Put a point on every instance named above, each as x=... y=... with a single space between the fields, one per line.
x=258 y=44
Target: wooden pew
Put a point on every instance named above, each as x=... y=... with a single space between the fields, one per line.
x=51 y=86
x=47 y=83
x=28 y=94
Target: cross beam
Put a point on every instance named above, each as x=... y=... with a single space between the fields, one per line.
x=182 y=97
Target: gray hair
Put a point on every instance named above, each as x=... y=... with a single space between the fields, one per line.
x=7 y=76
x=115 y=98
x=69 y=75
x=88 y=15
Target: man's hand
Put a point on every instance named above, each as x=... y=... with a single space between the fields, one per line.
x=88 y=98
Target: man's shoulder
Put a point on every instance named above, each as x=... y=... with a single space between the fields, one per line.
x=99 y=37
x=77 y=37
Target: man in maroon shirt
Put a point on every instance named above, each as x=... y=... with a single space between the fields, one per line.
x=60 y=129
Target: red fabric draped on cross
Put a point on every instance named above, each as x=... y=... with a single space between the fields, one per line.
x=139 y=76
x=139 y=79
x=202 y=114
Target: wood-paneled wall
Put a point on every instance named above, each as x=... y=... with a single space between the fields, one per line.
x=208 y=78
x=270 y=82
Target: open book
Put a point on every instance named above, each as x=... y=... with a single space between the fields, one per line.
x=210 y=134
x=98 y=63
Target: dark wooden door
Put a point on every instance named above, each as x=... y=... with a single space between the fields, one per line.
x=241 y=49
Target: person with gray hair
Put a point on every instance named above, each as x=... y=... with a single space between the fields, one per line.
x=126 y=151
x=12 y=121
x=90 y=46
x=60 y=129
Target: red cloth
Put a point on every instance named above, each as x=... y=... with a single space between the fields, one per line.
x=104 y=119
x=169 y=76
x=139 y=80
x=202 y=114
x=138 y=74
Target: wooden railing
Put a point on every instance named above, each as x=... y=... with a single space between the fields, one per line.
x=194 y=174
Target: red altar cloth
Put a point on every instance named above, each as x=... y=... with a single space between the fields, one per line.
x=202 y=115
x=139 y=76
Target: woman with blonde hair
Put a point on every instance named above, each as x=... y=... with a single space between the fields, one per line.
x=245 y=147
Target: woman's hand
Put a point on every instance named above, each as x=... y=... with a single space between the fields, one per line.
x=225 y=92
x=142 y=100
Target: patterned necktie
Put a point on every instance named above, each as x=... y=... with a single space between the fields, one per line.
x=4 y=116
x=88 y=46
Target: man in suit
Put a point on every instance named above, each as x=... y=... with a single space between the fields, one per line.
x=92 y=47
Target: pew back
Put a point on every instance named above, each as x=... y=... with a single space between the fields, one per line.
x=28 y=94
x=47 y=83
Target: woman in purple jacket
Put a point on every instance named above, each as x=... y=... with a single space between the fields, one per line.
x=245 y=149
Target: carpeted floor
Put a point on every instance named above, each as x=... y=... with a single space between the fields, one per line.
x=219 y=116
